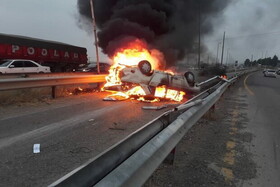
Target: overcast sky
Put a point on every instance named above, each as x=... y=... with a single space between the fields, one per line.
x=252 y=26
x=46 y=19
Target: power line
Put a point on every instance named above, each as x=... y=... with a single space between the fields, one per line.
x=246 y=36
x=253 y=35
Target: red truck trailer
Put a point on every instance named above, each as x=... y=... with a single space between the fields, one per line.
x=60 y=57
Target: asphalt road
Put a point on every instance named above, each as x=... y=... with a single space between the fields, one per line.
x=264 y=124
x=69 y=130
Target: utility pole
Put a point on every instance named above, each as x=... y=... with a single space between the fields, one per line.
x=95 y=35
x=217 y=52
x=227 y=59
x=223 y=48
x=199 y=34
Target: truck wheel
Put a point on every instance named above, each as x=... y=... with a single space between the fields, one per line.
x=145 y=67
x=190 y=78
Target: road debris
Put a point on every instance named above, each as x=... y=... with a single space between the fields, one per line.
x=115 y=97
x=154 y=107
x=109 y=99
x=116 y=128
x=36 y=148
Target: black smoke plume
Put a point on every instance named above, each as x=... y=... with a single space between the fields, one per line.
x=171 y=26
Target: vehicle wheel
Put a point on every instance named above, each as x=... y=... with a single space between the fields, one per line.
x=190 y=78
x=41 y=72
x=145 y=67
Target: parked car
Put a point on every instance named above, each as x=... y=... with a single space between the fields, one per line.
x=104 y=68
x=270 y=73
x=22 y=66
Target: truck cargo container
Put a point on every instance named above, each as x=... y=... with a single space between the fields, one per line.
x=60 y=57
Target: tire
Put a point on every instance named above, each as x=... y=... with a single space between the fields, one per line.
x=145 y=67
x=190 y=78
x=41 y=72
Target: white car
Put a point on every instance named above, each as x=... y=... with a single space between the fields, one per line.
x=22 y=66
x=149 y=79
x=269 y=73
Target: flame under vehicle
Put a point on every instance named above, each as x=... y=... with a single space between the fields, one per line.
x=149 y=79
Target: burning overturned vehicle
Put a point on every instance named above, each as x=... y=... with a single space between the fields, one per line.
x=135 y=74
x=151 y=83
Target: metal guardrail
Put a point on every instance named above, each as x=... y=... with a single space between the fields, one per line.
x=139 y=167
x=19 y=81
x=34 y=82
x=38 y=75
x=133 y=160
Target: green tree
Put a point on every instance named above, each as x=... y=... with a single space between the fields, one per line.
x=254 y=63
x=247 y=63
x=274 y=61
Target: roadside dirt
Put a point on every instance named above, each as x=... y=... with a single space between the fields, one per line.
x=213 y=152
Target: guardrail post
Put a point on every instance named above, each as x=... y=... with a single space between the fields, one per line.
x=53 y=92
x=171 y=157
x=210 y=114
x=212 y=109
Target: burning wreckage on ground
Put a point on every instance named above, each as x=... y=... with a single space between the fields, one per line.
x=132 y=77
x=143 y=83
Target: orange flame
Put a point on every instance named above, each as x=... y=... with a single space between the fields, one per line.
x=223 y=76
x=131 y=55
x=163 y=92
x=134 y=53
